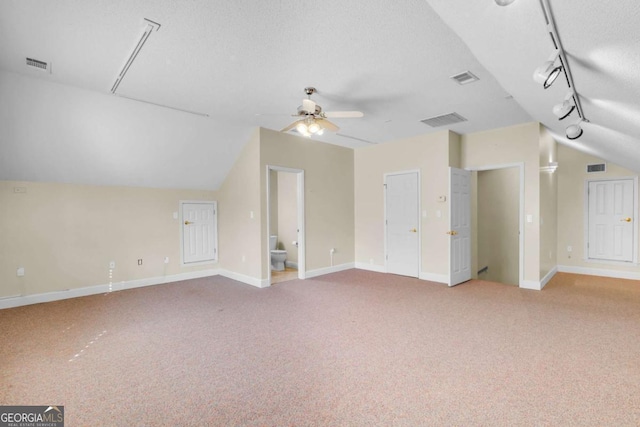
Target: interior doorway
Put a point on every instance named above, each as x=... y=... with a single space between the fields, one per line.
x=285 y=224
x=498 y=212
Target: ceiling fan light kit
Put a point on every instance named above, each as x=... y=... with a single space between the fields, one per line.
x=548 y=72
x=313 y=121
x=504 y=2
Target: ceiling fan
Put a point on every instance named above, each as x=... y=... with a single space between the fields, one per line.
x=313 y=121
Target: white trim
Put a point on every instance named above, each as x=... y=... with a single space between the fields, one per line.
x=585 y=244
x=370 y=267
x=327 y=270
x=617 y=274
x=181 y=204
x=531 y=284
x=384 y=222
x=102 y=289
x=432 y=277
x=302 y=246
x=548 y=277
x=520 y=165
x=253 y=281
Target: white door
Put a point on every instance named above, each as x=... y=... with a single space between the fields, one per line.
x=199 y=232
x=611 y=217
x=402 y=222
x=460 y=220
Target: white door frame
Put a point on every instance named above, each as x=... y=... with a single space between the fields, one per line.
x=585 y=250
x=215 y=228
x=302 y=272
x=384 y=223
x=519 y=165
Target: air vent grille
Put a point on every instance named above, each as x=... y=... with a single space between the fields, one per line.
x=465 y=78
x=444 y=120
x=597 y=167
x=40 y=65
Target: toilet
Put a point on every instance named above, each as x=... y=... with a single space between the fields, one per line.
x=278 y=257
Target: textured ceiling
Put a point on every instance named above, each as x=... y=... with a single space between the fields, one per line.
x=245 y=63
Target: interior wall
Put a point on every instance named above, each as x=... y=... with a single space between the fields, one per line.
x=431 y=155
x=498 y=204
x=240 y=213
x=515 y=144
x=548 y=205
x=65 y=235
x=288 y=214
x=572 y=176
x=328 y=195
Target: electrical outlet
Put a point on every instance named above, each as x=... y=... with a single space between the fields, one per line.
x=20 y=272
x=166 y=260
x=569 y=248
x=112 y=265
x=20 y=190
x=140 y=261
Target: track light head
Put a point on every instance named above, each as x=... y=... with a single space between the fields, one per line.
x=504 y=2
x=565 y=108
x=574 y=131
x=547 y=73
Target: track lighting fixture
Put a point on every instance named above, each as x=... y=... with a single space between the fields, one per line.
x=504 y=2
x=565 y=108
x=547 y=73
x=574 y=131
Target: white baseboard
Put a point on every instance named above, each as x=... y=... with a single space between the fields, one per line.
x=432 y=277
x=18 y=301
x=370 y=267
x=548 y=277
x=530 y=284
x=253 y=281
x=327 y=270
x=617 y=274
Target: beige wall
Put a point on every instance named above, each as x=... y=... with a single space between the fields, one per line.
x=65 y=235
x=240 y=213
x=571 y=199
x=515 y=144
x=498 y=204
x=288 y=214
x=431 y=155
x=548 y=205
x=328 y=195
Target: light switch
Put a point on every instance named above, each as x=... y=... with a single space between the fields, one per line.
x=20 y=272
x=175 y=215
x=529 y=218
x=424 y=214
x=439 y=213
x=251 y=214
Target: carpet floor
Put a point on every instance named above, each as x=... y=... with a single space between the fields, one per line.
x=354 y=348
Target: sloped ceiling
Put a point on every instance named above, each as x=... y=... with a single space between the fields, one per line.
x=602 y=44
x=244 y=64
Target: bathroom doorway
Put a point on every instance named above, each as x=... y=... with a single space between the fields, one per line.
x=285 y=224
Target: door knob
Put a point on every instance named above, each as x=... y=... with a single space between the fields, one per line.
x=452 y=233
x=413 y=230
x=626 y=219
x=187 y=222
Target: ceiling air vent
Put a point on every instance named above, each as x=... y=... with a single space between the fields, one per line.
x=40 y=65
x=444 y=120
x=597 y=167
x=464 y=78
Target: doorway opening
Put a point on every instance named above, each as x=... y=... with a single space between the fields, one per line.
x=498 y=213
x=285 y=224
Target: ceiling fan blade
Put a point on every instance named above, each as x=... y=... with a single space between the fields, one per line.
x=309 y=106
x=328 y=125
x=291 y=126
x=344 y=114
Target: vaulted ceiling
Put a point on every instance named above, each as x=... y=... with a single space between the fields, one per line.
x=214 y=70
